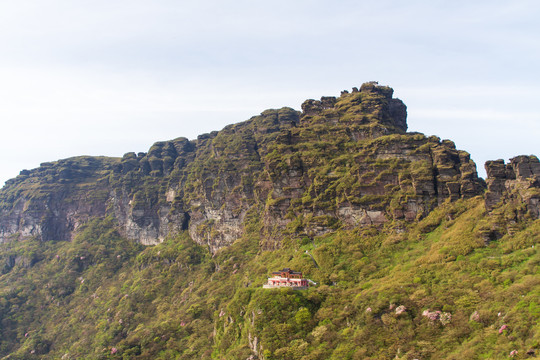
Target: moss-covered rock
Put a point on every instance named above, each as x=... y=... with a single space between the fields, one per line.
x=345 y=158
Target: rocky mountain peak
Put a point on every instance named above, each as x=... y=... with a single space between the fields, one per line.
x=371 y=105
x=390 y=227
x=341 y=163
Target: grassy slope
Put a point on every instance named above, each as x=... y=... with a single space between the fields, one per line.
x=101 y=293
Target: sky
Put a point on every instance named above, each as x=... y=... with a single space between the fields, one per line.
x=106 y=77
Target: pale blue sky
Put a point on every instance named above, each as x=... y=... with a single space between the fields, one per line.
x=108 y=77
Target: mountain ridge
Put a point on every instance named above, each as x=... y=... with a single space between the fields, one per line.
x=414 y=255
x=175 y=170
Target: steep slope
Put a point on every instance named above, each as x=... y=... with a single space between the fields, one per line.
x=341 y=162
x=432 y=289
x=414 y=256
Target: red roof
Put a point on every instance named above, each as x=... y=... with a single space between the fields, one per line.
x=288 y=271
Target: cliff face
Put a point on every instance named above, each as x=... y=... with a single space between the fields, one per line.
x=340 y=163
x=392 y=226
x=517 y=182
x=52 y=201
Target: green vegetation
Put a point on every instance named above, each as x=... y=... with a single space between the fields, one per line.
x=101 y=297
x=391 y=226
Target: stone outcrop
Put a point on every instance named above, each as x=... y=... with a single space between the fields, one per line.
x=372 y=104
x=50 y=202
x=342 y=162
x=517 y=182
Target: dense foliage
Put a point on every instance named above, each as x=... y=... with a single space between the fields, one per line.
x=433 y=289
x=410 y=254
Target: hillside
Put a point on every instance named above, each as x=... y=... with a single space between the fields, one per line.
x=414 y=255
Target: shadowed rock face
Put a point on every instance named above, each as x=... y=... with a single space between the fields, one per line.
x=341 y=162
x=517 y=181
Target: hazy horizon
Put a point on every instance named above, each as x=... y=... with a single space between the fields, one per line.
x=101 y=78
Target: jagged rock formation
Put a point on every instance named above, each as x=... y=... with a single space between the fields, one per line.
x=421 y=261
x=341 y=162
x=517 y=182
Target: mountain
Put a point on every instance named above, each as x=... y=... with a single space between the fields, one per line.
x=338 y=163
x=163 y=254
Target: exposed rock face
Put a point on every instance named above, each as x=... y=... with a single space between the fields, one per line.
x=517 y=181
x=341 y=162
x=373 y=103
x=53 y=200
